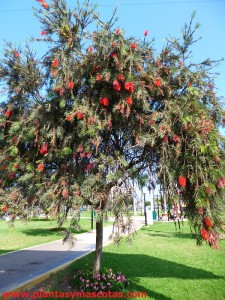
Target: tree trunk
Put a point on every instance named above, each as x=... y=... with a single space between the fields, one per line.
x=98 y=247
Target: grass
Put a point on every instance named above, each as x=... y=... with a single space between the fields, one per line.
x=162 y=262
x=35 y=232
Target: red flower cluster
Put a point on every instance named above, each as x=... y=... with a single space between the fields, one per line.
x=104 y=101
x=88 y=167
x=65 y=193
x=116 y=85
x=41 y=167
x=208 y=190
x=158 y=82
x=98 y=77
x=133 y=46
x=44 y=149
x=204 y=233
x=166 y=139
x=55 y=63
x=176 y=138
x=208 y=221
x=8 y=113
x=182 y=181
x=69 y=118
x=146 y=33
x=221 y=182
x=129 y=86
x=43 y=4
x=121 y=77
x=129 y=100
x=70 y=85
x=90 y=49
x=80 y=115
x=43 y=32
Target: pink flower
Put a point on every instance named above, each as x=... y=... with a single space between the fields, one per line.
x=220 y=182
x=43 y=32
x=146 y=33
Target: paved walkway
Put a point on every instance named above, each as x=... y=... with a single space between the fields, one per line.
x=20 y=268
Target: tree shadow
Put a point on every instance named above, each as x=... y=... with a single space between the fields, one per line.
x=50 y=231
x=167 y=234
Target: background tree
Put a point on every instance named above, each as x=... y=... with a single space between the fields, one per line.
x=99 y=108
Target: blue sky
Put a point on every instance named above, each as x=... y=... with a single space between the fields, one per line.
x=161 y=18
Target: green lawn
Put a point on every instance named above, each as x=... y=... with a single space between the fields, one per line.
x=27 y=234
x=162 y=262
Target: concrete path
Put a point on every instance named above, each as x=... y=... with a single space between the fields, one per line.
x=19 y=268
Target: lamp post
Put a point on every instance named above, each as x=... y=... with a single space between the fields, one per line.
x=145 y=213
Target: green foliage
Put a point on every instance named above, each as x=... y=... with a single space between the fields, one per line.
x=99 y=108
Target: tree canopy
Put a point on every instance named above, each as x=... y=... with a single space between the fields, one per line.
x=99 y=108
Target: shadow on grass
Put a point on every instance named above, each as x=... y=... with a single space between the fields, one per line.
x=169 y=234
x=49 y=231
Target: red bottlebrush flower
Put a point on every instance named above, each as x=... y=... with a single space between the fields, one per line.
x=104 y=101
x=43 y=32
x=158 y=82
x=98 y=77
x=204 y=233
x=45 y=5
x=146 y=33
x=4 y=209
x=61 y=91
x=90 y=49
x=113 y=54
x=70 y=85
x=80 y=115
x=211 y=86
x=217 y=159
x=11 y=175
x=166 y=139
x=121 y=77
x=55 y=63
x=208 y=221
x=133 y=46
x=44 y=149
x=65 y=193
x=16 y=54
x=8 y=113
x=91 y=120
x=220 y=182
x=200 y=210
x=76 y=193
x=151 y=122
x=82 y=154
x=113 y=44
x=129 y=100
x=69 y=118
x=118 y=31
x=95 y=69
x=139 y=68
x=90 y=166
x=208 y=190
x=182 y=181
x=41 y=167
x=54 y=73
x=176 y=138
x=180 y=63
x=189 y=84
x=158 y=63
x=16 y=166
x=116 y=85
x=129 y=86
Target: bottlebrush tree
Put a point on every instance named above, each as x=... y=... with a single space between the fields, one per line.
x=99 y=108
